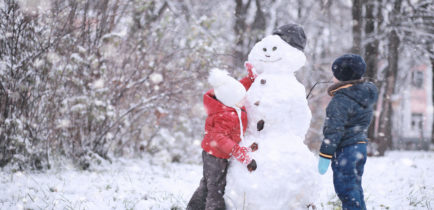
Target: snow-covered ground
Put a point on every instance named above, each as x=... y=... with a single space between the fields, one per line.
x=400 y=180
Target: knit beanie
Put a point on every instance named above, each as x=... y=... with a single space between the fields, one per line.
x=349 y=67
x=292 y=34
x=227 y=90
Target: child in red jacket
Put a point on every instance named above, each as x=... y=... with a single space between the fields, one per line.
x=224 y=129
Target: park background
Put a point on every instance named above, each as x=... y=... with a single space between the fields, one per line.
x=85 y=84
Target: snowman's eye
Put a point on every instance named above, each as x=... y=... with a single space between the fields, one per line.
x=264 y=49
x=274 y=48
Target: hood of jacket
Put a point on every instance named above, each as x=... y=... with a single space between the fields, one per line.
x=361 y=91
x=213 y=106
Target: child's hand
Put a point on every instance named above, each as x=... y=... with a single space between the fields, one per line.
x=323 y=165
x=252 y=165
x=250 y=70
x=254 y=147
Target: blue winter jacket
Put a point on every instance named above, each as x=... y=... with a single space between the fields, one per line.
x=348 y=115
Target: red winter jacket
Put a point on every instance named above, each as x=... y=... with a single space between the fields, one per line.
x=222 y=126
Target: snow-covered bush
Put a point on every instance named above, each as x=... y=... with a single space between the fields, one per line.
x=90 y=85
x=23 y=89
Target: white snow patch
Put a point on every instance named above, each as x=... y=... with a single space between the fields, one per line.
x=126 y=184
x=98 y=84
x=63 y=123
x=137 y=184
x=33 y=6
x=156 y=78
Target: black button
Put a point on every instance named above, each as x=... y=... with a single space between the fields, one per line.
x=260 y=125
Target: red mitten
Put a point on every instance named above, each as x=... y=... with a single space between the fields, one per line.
x=250 y=70
x=240 y=153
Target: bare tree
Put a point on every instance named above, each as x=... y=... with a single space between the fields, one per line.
x=240 y=29
x=357 y=13
x=374 y=21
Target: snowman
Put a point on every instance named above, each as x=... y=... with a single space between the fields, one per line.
x=279 y=118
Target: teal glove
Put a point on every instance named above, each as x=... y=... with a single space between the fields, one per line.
x=323 y=165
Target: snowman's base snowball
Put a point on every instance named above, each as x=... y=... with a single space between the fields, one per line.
x=285 y=178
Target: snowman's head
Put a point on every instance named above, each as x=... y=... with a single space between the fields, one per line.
x=273 y=55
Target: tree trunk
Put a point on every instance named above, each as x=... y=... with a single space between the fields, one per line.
x=432 y=84
x=247 y=34
x=258 y=25
x=357 y=26
x=371 y=50
x=386 y=129
x=374 y=21
x=4 y=140
x=240 y=28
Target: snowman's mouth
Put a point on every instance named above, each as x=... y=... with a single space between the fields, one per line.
x=270 y=61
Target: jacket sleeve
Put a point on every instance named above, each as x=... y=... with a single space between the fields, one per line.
x=334 y=126
x=221 y=130
x=247 y=82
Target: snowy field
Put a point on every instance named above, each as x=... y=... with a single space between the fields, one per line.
x=401 y=180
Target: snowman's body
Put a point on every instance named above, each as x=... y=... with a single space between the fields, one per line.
x=285 y=177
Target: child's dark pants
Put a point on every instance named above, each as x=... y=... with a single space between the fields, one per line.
x=347 y=164
x=209 y=194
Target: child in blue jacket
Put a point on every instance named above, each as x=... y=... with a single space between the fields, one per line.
x=348 y=116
